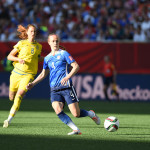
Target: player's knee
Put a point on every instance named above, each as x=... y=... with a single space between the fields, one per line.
x=76 y=114
x=57 y=110
x=11 y=98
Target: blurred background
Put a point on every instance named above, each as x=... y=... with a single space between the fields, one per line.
x=89 y=30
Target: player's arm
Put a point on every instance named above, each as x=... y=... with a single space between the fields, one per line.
x=12 y=56
x=74 y=70
x=40 y=77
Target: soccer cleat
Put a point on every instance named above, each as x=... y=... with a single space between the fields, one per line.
x=95 y=118
x=75 y=132
x=6 y=124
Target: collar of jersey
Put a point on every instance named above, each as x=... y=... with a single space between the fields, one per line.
x=31 y=42
x=56 y=53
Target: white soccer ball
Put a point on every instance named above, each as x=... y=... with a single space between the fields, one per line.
x=111 y=124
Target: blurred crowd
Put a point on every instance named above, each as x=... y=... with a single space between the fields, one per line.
x=78 y=20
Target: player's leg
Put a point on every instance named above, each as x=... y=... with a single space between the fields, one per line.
x=105 y=92
x=77 y=112
x=12 y=95
x=15 y=107
x=58 y=102
x=106 y=85
x=19 y=95
x=58 y=108
x=73 y=104
x=114 y=90
x=13 y=86
x=24 y=80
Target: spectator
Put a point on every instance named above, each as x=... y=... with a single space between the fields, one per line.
x=7 y=64
x=139 y=35
x=113 y=18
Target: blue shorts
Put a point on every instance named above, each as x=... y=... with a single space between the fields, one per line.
x=67 y=95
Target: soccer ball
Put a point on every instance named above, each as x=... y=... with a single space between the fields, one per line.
x=111 y=124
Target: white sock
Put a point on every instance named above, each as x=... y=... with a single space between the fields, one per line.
x=10 y=118
x=72 y=126
x=91 y=114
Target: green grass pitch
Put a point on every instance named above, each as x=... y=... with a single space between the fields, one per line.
x=36 y=127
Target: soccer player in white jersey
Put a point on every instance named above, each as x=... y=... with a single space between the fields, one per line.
x=57 y=64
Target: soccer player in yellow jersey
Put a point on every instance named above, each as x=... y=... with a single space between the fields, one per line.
x=25 y=57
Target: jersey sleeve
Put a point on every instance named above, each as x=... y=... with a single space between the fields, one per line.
x=68 y=57
x=45 y=64
x=18 y=46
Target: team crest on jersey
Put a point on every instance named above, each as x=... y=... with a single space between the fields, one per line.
x=70 y=57
x=37 y=47
x=58 y=57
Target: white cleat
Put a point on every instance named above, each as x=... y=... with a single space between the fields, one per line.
x=75 y=132
x=6 y=124
x=95 y=118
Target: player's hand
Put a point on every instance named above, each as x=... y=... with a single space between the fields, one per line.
x=21 y=61
x=64 y=81
x=30 y=86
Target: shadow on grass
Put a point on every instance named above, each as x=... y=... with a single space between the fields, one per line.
x=97 y=106
x=22 y=142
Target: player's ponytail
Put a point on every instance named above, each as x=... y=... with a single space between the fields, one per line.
x=61 y=47
x=22 y=31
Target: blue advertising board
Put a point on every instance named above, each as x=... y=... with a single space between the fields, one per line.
x=90 y=87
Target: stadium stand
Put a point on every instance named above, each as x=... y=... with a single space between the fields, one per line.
x=78 y=20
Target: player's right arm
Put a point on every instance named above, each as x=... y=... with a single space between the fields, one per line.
x=12 y=56
x=40 y=77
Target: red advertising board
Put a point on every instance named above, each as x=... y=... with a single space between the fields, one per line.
x=127 y=57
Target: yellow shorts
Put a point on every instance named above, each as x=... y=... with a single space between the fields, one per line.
x=18 y=81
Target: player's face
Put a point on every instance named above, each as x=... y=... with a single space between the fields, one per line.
x=106 y=59
x=53 y=41
x=31 y=32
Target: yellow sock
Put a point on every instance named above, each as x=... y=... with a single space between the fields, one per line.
x=114 y=87
x=15 y=107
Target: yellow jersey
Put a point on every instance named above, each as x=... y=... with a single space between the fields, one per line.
x=29 y=52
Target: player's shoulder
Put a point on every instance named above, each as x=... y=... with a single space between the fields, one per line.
x=63 y=52
x=47 y=57
x=19 y=43
x=22 y=41
x=38 y=44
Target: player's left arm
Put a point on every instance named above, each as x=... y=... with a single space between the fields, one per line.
x=74 y=70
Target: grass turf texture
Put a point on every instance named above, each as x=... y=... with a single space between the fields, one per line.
x=37 y=127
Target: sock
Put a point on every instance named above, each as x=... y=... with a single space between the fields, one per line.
x=67 y=120
x=84 y=113
x=15 y=107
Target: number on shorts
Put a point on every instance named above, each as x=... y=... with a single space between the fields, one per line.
x=72 y=95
